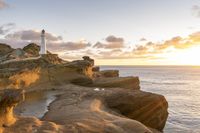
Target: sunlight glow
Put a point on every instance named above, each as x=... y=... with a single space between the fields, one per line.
x=188 y=56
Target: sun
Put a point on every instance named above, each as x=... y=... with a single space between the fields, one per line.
x=189 y=56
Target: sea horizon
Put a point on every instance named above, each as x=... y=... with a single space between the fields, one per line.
x=154 y=65
x=179 y=85
x=99 y=66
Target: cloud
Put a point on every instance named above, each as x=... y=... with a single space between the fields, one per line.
x=143 y=39
x=74 y=55
x=175 y=43
x=60 y=47
x=32 y=35
x=5 y=28
x=111 y=48
x=113 y=39
x=112 y=42
x=195 y=37
x=70 y=46
x=149 y=50
x=108 y=45
x=196 y=10
x=54 y=43
x=15 y=43
x=3 y=4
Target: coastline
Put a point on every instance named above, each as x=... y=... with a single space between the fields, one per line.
x=90 y=97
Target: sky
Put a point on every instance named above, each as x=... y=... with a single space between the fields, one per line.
x=114 y=32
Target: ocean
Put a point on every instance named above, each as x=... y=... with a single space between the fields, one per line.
x=181 y=87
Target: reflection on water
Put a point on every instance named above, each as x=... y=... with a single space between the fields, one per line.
x=181 y=87
x=36 y=103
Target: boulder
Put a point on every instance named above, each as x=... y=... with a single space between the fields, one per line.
x=147 y=108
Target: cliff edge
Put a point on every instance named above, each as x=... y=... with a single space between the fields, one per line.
x=92 y=101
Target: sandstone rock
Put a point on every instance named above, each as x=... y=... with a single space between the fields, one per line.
x=82 y=80
x=122 y=82
x=87 y=58
x=118 y=106
x=32 y=49
x=4 y=49
x=42 y=71
x=96 y=69
x=89 y=111
x=150 y=109
x=81 y=66
x=81 y=109
x=53 y=59
x=33 y=125
x=109 y=73
x=9 y=98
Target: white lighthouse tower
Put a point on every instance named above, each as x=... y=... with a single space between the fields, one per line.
x=43 y=43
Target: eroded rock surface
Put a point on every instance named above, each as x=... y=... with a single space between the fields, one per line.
x=9 y=98
x=32 y=49
x=107 y=104
x=122 y=82
x=107 y=73
x=150 y=109
x=83 y=109
x=88 y=110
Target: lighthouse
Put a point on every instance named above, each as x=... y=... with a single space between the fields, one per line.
x=43 y=43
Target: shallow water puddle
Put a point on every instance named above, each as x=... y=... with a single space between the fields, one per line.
x=36 y=103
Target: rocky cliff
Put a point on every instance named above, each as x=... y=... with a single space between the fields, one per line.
x=4 y=49
x=91 y=100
